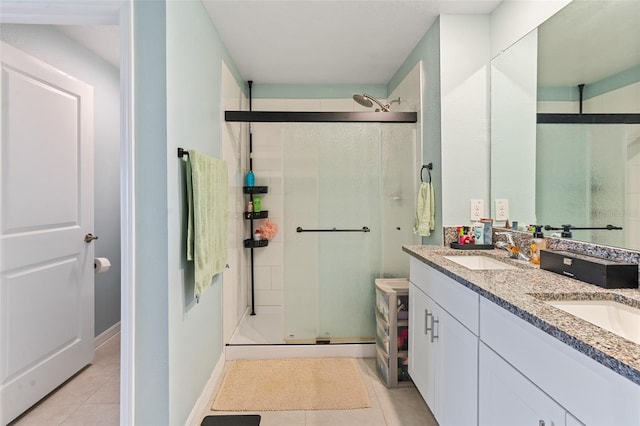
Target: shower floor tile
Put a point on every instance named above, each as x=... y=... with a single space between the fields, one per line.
x=264 y=328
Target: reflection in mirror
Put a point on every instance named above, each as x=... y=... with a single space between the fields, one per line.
x=586 y=175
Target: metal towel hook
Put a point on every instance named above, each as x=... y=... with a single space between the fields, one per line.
x=429 y=167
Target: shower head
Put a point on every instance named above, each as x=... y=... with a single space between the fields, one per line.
x=363 y=100
x=368 y=100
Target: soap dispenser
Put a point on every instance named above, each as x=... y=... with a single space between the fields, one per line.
x=537 y=244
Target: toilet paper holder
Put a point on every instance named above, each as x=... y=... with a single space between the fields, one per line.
x=101 y=264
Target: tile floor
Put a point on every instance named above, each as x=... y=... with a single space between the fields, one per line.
x=91 y=397
x=401 y=406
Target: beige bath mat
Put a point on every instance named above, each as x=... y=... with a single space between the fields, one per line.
x=292 y=384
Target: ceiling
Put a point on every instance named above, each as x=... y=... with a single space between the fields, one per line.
x=311 y=41
x=327 y=42
x=587 y=41
x=366 y=41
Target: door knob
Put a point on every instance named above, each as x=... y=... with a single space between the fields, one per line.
x=90 y=237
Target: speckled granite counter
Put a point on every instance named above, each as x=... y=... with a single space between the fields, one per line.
x=522 y=292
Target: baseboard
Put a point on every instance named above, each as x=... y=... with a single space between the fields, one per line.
x=355 y=350
x=107 y=334
x=203 y=403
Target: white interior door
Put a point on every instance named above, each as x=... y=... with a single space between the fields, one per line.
x=46 y=210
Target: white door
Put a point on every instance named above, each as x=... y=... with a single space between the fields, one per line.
x=46 y=210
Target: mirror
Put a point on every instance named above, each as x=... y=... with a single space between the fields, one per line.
x=586 y=175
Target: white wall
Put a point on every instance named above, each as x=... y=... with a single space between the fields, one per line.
x=464 y=71
x=513 y=19
x=50 y=45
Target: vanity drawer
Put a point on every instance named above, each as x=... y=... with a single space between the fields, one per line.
x=461 y=302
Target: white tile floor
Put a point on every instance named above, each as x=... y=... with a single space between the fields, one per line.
x=91 y=397
x=401 y=406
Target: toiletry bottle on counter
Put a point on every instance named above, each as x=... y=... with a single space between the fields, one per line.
x=537 y=244
x=478 y=232
x=251 y=179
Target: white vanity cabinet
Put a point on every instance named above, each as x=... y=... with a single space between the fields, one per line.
x=541 y=372
x=507 y=398
x=443 y=345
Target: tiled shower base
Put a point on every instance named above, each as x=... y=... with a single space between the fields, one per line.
x=260 y=336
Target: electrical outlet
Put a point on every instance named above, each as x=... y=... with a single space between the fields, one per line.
x=476 y=211
x=502 y=209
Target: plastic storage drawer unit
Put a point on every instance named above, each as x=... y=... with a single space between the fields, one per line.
x=392 y=330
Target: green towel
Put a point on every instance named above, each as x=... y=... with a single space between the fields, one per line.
x=207 y=197
x=425 y=211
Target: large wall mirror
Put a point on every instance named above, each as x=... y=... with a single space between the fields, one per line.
x=565 y=123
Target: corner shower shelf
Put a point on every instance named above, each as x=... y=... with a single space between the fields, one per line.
x=320 y=117
x=253 y=243
x=256 y=215
x=255 y=189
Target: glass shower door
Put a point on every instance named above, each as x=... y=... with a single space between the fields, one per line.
x=349 y=198
x=331 y=180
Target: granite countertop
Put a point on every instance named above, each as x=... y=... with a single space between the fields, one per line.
x=522 y=292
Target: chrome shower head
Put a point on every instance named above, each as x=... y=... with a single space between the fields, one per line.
x=368 y=100
x=363 y=100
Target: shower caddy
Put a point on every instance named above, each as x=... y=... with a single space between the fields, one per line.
x=251 y=215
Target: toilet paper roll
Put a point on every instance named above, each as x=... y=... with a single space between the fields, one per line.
x=101 y=264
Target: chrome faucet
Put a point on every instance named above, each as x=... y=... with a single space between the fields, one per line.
x=511 y=246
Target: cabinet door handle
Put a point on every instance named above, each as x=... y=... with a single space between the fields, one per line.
x=427 y=314
x=433 y=329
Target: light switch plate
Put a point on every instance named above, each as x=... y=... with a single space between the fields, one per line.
x=502 y=209
x=476 y=209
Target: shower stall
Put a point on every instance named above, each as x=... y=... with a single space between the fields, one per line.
x=349 y=207
x=348 y=195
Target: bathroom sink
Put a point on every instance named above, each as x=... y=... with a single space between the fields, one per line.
x=615 y=317
x=479 y=262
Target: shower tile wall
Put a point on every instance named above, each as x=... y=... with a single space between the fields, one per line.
x=267 y=167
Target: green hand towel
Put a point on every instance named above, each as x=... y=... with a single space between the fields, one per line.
x=207 y=197
x=425 y=211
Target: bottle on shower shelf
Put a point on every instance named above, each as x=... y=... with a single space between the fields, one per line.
x=251 y=179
